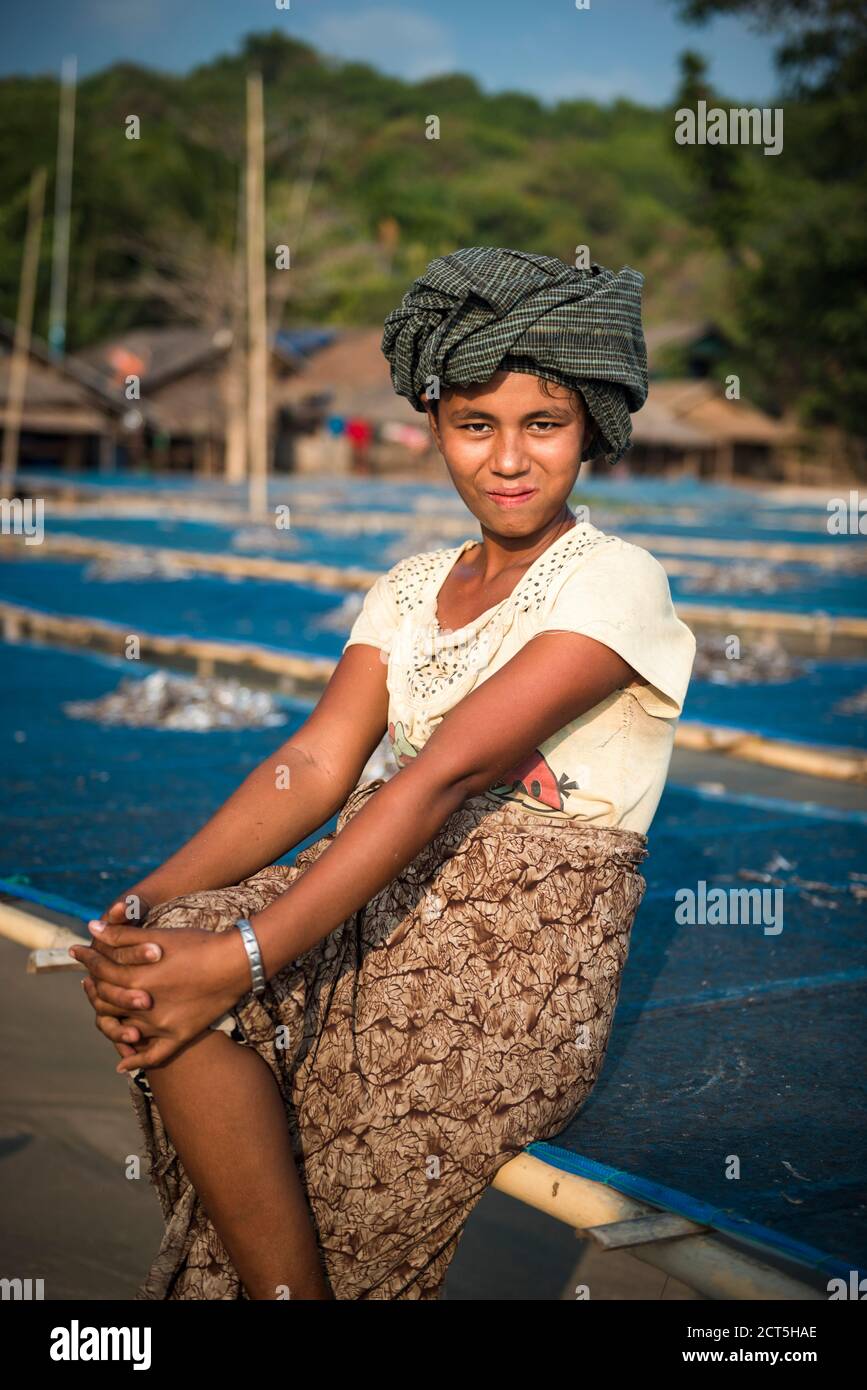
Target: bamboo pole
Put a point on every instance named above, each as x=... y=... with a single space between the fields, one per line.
x=62 y=202
x=807 y=552
x=93 y=633
x=23 y=330
x=234 y=384
x=823 y=628
x=449 y=523
x=257 y=352
x=37 y=934
x=700 y=1260
x=201 y=562
x=838 y=764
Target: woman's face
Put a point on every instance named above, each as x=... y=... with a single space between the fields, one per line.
x=512 y=451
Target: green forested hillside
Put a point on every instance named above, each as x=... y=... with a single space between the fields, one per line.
x=363 y=200
x=355 y=188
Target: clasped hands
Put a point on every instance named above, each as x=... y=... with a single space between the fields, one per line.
x=155 y=990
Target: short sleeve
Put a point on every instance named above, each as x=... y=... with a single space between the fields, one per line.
x=620 y=595
x=377 y=621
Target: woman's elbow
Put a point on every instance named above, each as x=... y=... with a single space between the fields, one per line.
x=449 y=780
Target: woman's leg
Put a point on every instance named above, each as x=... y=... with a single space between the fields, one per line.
x=222 y=1109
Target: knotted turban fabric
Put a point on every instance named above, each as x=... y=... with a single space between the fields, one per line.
x=484 y=309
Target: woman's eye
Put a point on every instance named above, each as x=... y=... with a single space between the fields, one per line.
x=545 y=425
x=475 y=425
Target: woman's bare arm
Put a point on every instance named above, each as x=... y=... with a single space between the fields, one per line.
x=291 y=793
x=555 y=678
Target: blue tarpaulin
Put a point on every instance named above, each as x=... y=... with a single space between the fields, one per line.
x=730 y=1042
x=307 y=619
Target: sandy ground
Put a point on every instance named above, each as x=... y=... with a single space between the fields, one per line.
x=70 y=1215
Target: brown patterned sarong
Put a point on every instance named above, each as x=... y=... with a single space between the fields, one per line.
x=461 y=1015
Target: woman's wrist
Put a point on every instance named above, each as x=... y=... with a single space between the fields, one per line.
x=238 y=977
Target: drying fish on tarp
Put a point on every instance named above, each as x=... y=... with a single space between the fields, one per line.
x=741 y=576
x=164 y=701
x=762 y=659
x=433 y=502
x=852 y=704
x=339 y=619
x=134 y=565
x=268 y=537
x=805 y=887
x=404 y=546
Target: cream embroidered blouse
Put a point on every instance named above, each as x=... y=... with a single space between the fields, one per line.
x=607 y=767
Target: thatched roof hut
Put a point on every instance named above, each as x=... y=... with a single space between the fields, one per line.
x=192 y=387
x=68 y=416
x=351 y=377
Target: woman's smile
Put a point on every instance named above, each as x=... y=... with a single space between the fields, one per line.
x=511 y=497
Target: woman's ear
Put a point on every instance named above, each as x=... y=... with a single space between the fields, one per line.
x=433 y=422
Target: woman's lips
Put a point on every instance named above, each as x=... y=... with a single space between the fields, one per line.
x=513 y=499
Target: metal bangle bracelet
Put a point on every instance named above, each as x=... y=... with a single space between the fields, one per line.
x=254 y=954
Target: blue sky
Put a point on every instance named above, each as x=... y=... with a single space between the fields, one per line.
x=547 y=47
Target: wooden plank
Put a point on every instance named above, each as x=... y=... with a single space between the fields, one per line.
x=18 y=622
x=701 y=1261
x=776 y=551
x=257 y=330
x=823 y=627
x=20 y=361
x=18 y=923
x=840 y=764
x=642 y=1230
x=247 y=566
x=446 y=523
x=49 y=960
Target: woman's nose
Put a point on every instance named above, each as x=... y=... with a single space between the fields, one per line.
x=508 y=456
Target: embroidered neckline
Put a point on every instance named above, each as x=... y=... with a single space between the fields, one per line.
x=517 y=592
x=438 y=667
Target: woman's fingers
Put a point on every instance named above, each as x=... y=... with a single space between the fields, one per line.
x=119 y=933
x=130 y=909
x=126 y=1031
x=116 y=1030
x=159 y=1051
x=99 y=1006
x=131 y=1029
x=120 y=943
x=122 y=1034
x=126 y=1001
x=143 y=953
x=100 y=968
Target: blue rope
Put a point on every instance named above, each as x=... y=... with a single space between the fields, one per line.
x=52 y=900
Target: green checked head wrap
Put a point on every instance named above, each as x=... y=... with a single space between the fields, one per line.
x=485 y=309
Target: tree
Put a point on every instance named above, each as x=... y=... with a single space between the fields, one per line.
x=804 y=301
x=719 y=171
